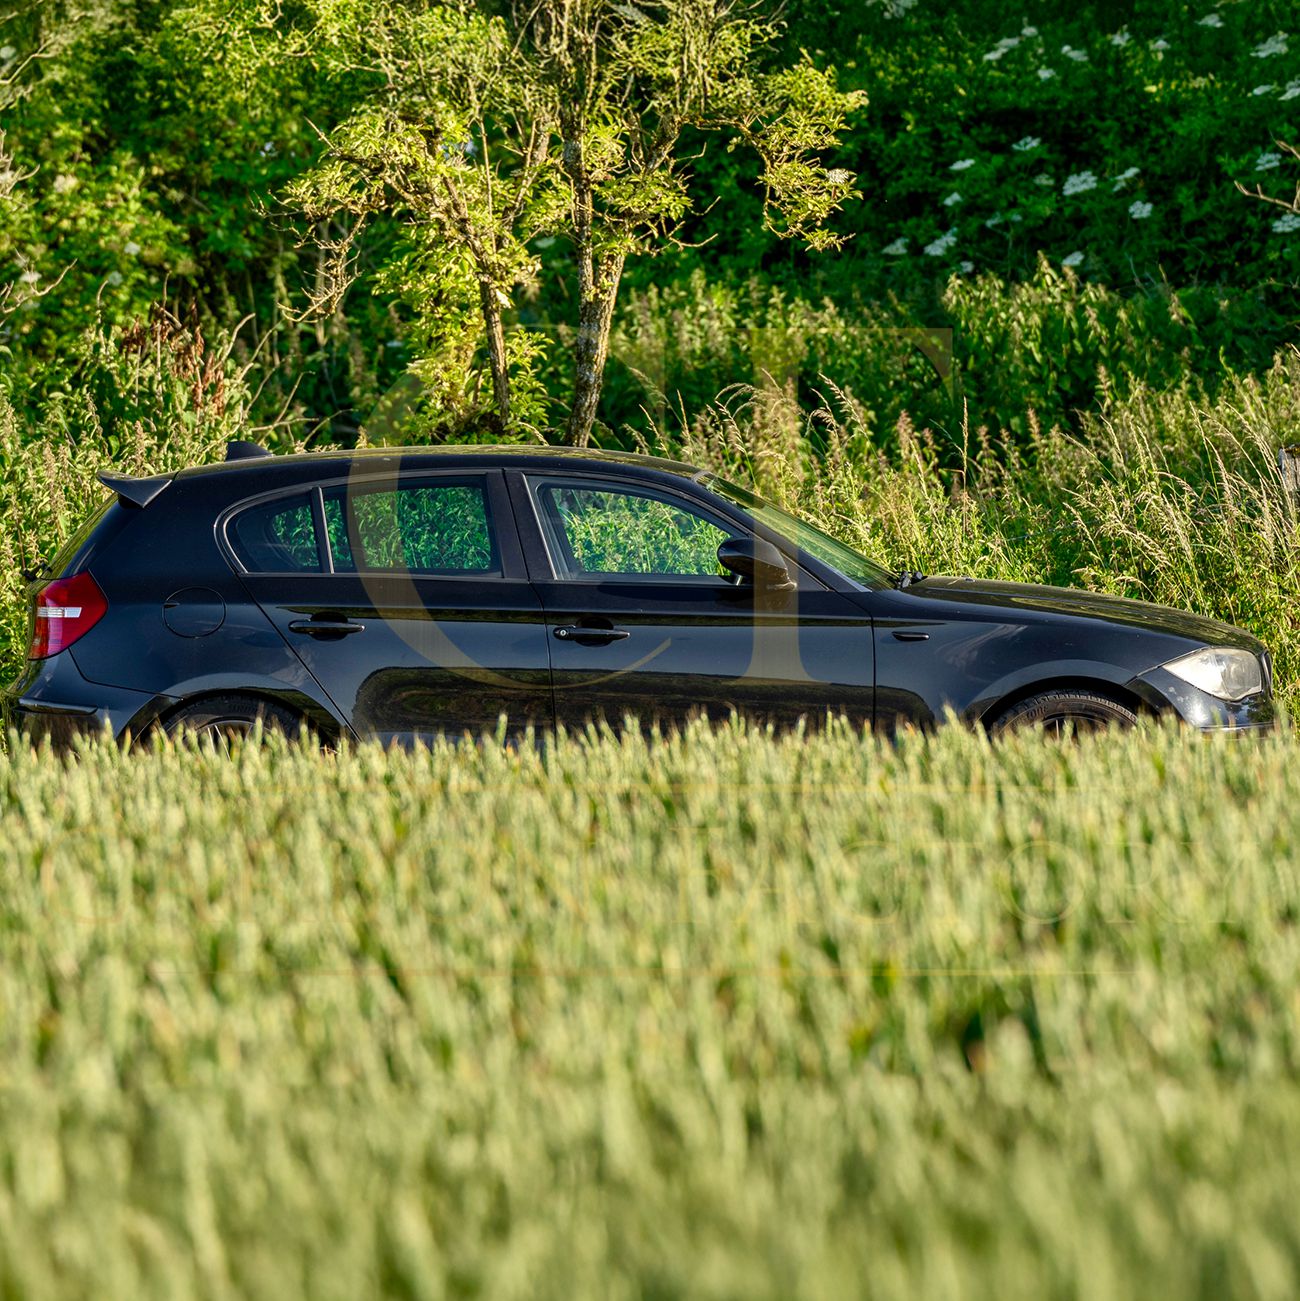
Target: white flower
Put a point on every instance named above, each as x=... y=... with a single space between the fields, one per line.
x=1023 y=146
x=1029 y=31
x=952 y=199
x=1046 y=74
x=897 y=248
x=131 y=248
x=1285 y=225
x=1073 y=259
x=1264 y=90
x=1079 y=183
x=267 y=149
x=1044 y=178
x=1079 y=56
x=1267 y=161
x=941 y=245
x=1210 y=20
x=1015 y=216
x=839 y=176
x=29 y=277
x=962 y=164
x=114 y=278
x=1121 y=37
x=393 y=343
x=1123 y=178
x=1274 y=45
x=1292 y=89
x=64 y=183
x=7 y=53
x=1160 y=44
x=1138 y=210
x=965 y=267
x=1005 y=44
x=995 y=220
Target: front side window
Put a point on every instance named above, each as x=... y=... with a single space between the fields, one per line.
x=608 y=531
x=277 y=537
x=423 y=528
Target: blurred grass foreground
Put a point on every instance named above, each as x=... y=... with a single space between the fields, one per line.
x=722 y=1015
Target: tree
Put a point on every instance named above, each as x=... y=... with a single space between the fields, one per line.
x=488 y=130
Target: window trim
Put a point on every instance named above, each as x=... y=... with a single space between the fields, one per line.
x=489 y=480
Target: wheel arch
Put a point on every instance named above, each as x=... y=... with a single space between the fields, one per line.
x=1069 y=682
x=311 y=712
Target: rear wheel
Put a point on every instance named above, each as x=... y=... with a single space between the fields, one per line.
x=1051 y=711
x=231 y=717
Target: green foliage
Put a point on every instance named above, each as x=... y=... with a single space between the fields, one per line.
x=1161 y=496
x=143 y=401
x=717 y=1016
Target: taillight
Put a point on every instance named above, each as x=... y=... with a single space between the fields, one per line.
x=66 y=610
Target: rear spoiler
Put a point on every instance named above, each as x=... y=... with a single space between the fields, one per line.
x=135 y=492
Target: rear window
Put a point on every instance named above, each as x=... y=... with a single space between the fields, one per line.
x=435 y=528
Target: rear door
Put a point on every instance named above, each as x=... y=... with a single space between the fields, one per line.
x=643 y=621
x=406 y=598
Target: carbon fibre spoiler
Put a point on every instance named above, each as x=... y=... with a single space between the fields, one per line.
x=135 y=492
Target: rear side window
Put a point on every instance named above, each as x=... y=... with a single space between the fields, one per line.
x=277 y=537
x=423 y=528
x=426 y=527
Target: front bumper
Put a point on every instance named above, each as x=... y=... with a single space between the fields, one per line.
x=51 y=700
x=1164 y=692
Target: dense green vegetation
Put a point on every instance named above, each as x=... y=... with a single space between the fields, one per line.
x=724 y=1014
x=719 y=1016
x=1059 y=225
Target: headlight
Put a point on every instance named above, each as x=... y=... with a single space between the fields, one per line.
x=1220 y=671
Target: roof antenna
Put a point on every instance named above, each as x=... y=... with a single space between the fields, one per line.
x=240 y=449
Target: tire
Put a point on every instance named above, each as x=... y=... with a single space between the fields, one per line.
x=1050 y=711
x=230 y=717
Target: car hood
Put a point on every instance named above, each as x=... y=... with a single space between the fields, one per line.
x=1069 y=601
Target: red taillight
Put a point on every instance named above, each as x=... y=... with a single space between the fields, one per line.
x=66 y=609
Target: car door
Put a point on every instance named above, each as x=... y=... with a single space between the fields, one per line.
x=406 y=598
x=643 y=621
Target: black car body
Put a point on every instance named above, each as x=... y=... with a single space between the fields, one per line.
x=404 y=593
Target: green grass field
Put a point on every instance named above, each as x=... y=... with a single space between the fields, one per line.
x=724 y=1016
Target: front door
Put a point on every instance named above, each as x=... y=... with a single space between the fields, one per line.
x=643 y=621
x=406 y=599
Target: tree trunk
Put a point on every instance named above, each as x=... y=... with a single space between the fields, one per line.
x=591 y=350
x=496 y=341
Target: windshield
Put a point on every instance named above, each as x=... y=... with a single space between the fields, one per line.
x=807 y=537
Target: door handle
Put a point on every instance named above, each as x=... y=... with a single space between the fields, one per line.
x=577 y=632
x=326 y=627
x=911 y=636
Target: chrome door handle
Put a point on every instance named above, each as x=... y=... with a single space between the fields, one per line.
x=326 y=627
x=577 y=632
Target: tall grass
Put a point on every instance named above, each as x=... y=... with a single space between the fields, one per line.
x=1164 y=496
x=716 y=1016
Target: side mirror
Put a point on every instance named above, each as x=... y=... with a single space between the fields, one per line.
x=756 y=560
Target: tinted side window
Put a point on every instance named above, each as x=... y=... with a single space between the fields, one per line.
x=608 y=531
x=426 y=528
x=277 y=537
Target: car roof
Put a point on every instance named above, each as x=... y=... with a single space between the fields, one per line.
x=336 y=460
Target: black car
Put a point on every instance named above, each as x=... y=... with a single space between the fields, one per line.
x=411 y=593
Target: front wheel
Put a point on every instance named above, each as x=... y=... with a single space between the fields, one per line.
x=1051 y=711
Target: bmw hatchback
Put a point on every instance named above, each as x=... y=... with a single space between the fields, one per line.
x=415 y=593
